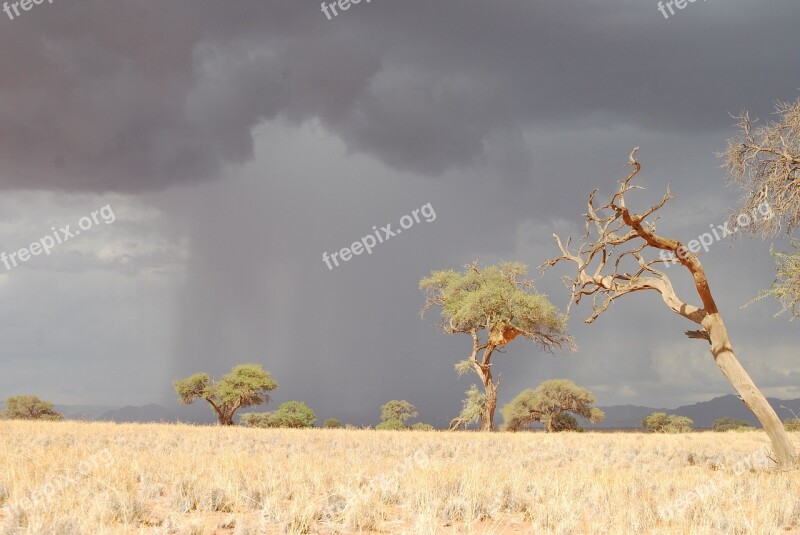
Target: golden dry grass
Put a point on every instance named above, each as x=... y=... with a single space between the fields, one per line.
x=95 y=478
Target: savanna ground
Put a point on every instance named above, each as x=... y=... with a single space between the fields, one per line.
x=95 y=478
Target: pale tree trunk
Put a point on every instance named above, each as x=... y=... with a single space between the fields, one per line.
x=752 y=397
x=487 y=418
x=484 y=371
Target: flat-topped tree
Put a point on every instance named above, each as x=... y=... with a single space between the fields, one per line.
x=550 y=405
x=246 y=385
x=29 y=408
x=493 y=305
x=611 y=263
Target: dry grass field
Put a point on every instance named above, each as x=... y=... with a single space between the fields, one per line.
x=95 y=478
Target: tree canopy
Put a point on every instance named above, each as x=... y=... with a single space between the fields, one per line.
x=498 y=300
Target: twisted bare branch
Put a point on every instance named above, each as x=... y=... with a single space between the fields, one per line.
x=611 y=260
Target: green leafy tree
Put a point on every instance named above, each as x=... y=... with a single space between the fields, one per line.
x=30 y=408
x=398 y=409
x=493 y=305
x=548 y=404
x=332 y=423
x=660 y=422
x=473 y=407
x=728 y=424
x=245 y=386
x=292 y=414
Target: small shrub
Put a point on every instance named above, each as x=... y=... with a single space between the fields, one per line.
x=660 y=422
x=391 y=425
x=332 y=423
x=728 y=424
x=290 y=414
x=420 y=426
x=792 y=424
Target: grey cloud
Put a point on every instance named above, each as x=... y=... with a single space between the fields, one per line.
x=136 y=96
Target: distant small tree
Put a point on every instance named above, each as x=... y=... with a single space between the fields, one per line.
x=473 y=408
x=291 y=414
x=421 y=426
x=256 y=419
x=400 y=410
x=792 y=424
x=660 y=422
x=245 y=386
x=391 y=425
x=728 y=424
x=332 y=423
x=548 y=404
x=30 y=408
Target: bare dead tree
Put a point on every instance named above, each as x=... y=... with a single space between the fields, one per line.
x=611 y=263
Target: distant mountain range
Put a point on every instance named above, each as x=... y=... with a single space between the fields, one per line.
x=617 y=416
x=703 y=414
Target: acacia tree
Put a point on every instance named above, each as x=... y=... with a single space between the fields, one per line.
x=548 y=404
x=397 y=410
x=246 y=385
x=30 y=408
x=611 y=263
x=494 y=305
x=765 y=162
x=661 y=422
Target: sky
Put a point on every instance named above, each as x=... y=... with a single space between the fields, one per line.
x=224 y=147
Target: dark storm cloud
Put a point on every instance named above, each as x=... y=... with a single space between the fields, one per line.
x=139 y=95
x=503 y=114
